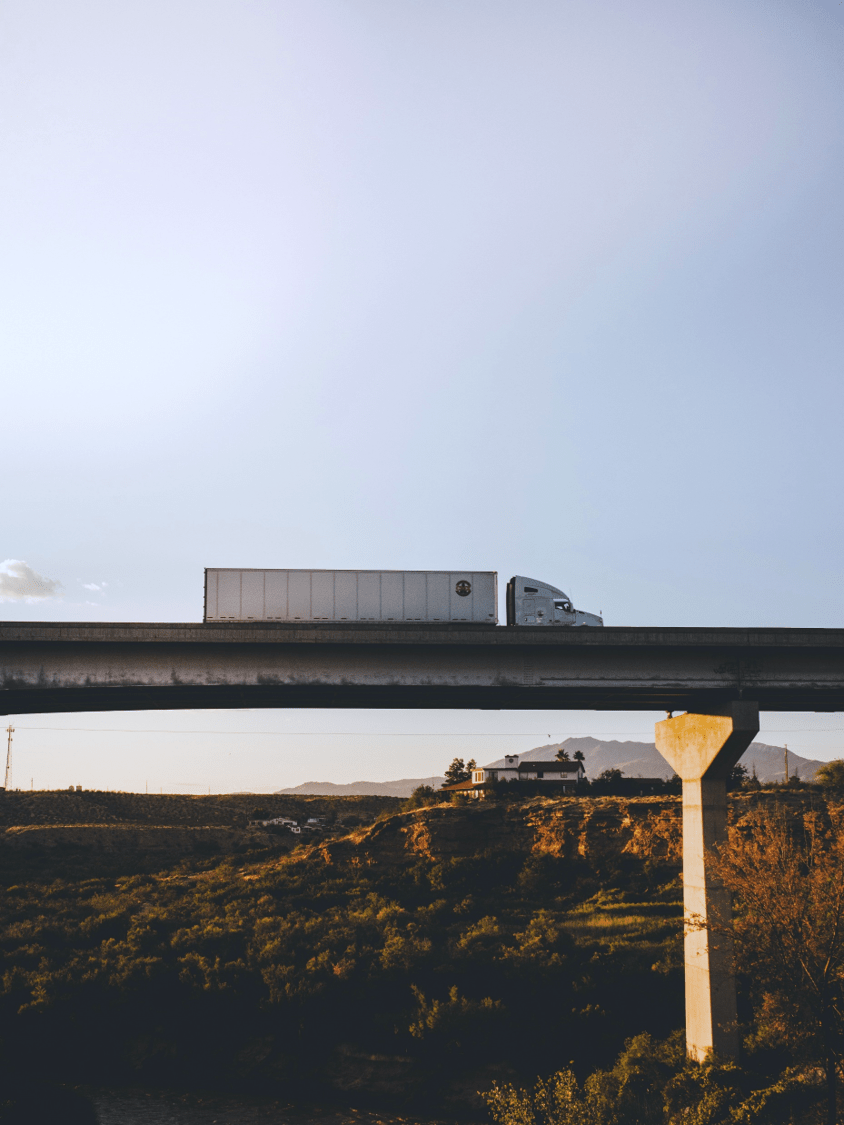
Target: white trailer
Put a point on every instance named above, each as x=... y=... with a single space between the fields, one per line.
x=351 y=595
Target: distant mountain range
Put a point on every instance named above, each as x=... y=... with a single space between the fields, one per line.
x=634 y=759
x=402 y=788
x=641 y=759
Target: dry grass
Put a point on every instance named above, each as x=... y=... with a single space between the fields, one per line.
x=610 y=921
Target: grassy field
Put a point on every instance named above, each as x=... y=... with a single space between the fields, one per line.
x=224 y=810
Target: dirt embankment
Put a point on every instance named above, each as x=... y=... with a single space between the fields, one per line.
x=568 y=827
x=564 y=827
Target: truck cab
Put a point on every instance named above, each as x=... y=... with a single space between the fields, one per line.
x=531 y=602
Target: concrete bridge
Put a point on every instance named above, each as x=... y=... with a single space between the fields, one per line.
x=719 y=677
x=56 y=666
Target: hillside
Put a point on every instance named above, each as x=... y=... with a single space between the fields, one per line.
x=54 y=829
x=102 y=832
x=410 y=962
x=226 y=810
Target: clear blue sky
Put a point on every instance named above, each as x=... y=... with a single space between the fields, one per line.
x=543 y=287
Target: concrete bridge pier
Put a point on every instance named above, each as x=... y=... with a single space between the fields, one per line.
x=703 y=748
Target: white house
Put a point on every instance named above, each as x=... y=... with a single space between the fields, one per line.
x=566 y=774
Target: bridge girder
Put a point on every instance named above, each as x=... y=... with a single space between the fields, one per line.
x=58 y=666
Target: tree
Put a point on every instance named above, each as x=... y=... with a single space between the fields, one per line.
x=579 y=756
x=563 y=755
x=737 y=778
x=607 y=783
x=610 y=775
x=421 y=796
x=788 y=883
x=831 y=775
x=458 y=771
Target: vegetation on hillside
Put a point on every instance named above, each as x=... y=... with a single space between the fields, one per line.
x=787 y=877
x=230 y=810
x=422 y=981
x=429 y=979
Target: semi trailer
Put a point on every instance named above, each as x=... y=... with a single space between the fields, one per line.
x=424 y=596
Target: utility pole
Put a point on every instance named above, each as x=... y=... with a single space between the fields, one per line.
x=785 y=748
x=10 y=730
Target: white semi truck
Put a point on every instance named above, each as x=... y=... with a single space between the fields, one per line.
x=423 y=596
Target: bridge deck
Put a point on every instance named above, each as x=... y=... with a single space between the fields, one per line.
x=93 y=666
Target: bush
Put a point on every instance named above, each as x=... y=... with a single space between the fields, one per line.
x=421 y=797
x=653 y=1083
x=631 y=1093
x=831 y=775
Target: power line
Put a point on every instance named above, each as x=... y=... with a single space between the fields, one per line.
x=395 y=734
x=334 y=733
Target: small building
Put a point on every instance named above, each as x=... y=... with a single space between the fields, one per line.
x=564 y=775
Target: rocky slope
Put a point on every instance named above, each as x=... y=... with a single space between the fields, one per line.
x=567 y=827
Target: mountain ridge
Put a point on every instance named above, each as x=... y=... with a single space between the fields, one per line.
x=642 y=759
x=634 y=759
x=401 y=788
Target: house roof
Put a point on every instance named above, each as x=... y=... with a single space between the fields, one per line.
x=460 y=785
x=559 y=767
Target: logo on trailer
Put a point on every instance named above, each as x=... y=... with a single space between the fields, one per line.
x=463 y=588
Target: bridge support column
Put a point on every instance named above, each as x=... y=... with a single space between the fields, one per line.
x=703 y=748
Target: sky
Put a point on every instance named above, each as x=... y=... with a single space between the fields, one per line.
x=548 y=287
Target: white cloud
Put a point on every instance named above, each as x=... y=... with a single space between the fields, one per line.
x=20 y=583
x=92 y=586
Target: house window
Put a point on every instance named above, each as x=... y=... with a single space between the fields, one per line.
x=539 y=773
